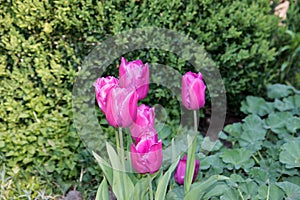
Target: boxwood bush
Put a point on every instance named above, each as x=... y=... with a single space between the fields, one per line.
x=43 y=43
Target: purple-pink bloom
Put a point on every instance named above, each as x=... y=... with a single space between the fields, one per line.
x=147 y=155
x=121 y=107
x=144 y=120
x=181 y=168
x=102 y=88
x=193 y=91
x=135 y=75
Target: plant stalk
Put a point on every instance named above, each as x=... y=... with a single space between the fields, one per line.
x=121 y=148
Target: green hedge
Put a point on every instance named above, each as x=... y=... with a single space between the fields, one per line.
x=44 y=42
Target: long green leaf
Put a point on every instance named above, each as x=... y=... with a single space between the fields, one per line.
x=198 y=190
x=140 y=190
x=122 y=185
x=106 y=168
x=190 y=164
x=164 y=181
x=102 y=192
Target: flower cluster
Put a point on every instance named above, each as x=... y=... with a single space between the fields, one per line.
x=118 y=100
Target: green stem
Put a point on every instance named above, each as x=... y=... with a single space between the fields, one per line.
x=195 y=124
x=240 y=193
x=256 y=160
x=260 y=155
x=190 y=167
x=150 y=187
x=118 y=143
x=121 y=147
x=268 y=193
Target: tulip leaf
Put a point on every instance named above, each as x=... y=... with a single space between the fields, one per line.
x=106 y=168
x=163 y=182
x=140 y=189
x=190 y=164
x=102 y=192
x=290 y=154
x=122 y=184
x=199 y=189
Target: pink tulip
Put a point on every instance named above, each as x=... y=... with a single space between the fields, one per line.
x=147 y=155
x=143 y=122
x=121 y=107
x=193 y=91
x=181 y=168
x=102 y=88
x=135 y=75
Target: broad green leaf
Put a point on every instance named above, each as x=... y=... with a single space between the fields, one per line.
x=293 y=179
x=234 y=130
x=236 y=157
x=176 y=193
x=231 y=194
x=213 y=163
x=217 y=190
x=164 y=181
x=284 y=105
x=253 y=133
x=209 y=145
x=256 y=105
x=259 y=175
x=252 y=140
x=293 y=124
x=254 y=122
x=199 y=189
x=270 y=191
x=277 y=122
x=290 y=154
x=292 y=191
x=279 y=91
x=102 y=192
x=249 y=189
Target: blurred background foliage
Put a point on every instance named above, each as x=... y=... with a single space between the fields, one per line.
x=43 y=44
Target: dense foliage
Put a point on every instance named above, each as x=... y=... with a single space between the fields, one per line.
x=263 y=160
x=43 y=43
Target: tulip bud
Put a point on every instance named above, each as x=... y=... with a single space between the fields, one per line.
x=193 y=91
x=121 y=107
x=134 y=75
x=102 y=88
x=181 y=168
x=147 y=155
x=144 y=121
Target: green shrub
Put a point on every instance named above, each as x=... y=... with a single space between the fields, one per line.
x=288 y=42
x=44 y=42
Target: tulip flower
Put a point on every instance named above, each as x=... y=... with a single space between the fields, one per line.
x=181 y=168
x=134 y=75
x=121 y=107
x=143 y=122
x=102 y=88
x=193 y=91
x=147 y=155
